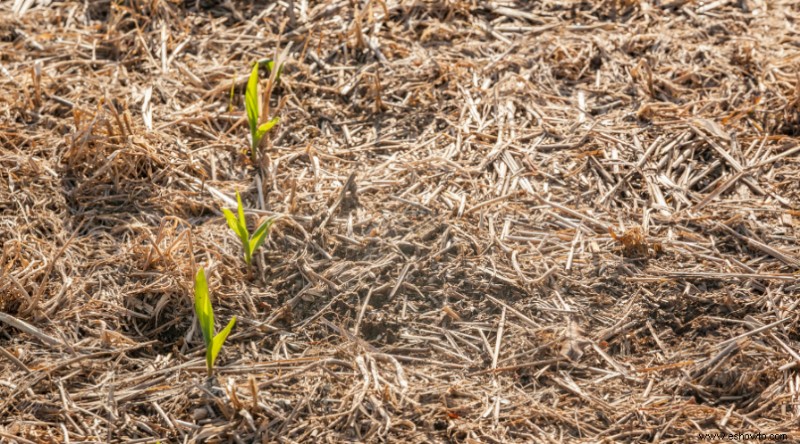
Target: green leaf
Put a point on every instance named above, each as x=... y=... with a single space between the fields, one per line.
x=202 y=306
x=251 y=100
x=244 y=235
x=266 y=126
x=266 y=63
x=260 y=235
x=242 y=220
x=233 y=88
x=216 y=344
x=233 y=222
x=269 y=64
x=241 y=232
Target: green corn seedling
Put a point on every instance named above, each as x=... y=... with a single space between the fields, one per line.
x=251 y=101
x=239 y=226
x=205 y=315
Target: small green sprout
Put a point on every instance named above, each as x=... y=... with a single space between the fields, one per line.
x=239 y=226
x=233 y=90
x=251 y=102
x=205 y=314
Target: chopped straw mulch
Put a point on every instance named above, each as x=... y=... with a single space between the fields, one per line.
x=497 y=222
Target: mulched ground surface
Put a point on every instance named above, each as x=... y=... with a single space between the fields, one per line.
x=497 y=222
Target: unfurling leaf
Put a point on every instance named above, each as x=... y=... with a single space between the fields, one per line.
x=269 y=64
x=233 y=223
x=240 y=212
x=202 y=305
x=205 y=316
x=266 y=126
x=238 y=224
x=251 y=100
x=216 y=343
x=260 y=236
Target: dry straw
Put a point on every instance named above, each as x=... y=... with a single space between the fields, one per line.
x=448 y=176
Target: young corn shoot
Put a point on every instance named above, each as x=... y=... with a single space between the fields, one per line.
x=238 y=224
x=251 y=102
x=205 y=315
